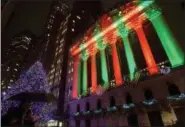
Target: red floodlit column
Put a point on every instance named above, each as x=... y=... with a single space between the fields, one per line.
x=75 y=78
x=93 y=72
x=116 y=65
x=152 y=67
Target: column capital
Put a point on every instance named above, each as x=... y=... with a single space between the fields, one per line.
x=111 y=38
x=76 y=58
x=84 y=55
x=123 y=30
x=152 y=12
x=101 y=45
x=135 y=22
x=93 y=50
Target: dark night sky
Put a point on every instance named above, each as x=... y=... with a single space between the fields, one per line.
x=32 y=14
x=27 y=15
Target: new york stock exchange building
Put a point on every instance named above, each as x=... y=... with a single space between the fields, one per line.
x=128 y=70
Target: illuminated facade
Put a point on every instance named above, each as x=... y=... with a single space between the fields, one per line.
x=119 y=67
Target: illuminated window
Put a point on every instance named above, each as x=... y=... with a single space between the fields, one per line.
x=62 y=40
x=64 y=31
x=50 y=83
x=52 y=70
x=11 y=80
x=78 y=17
x=61 y=45
x=8 y=69
x=60 y=124
x=71 y=69
x=73 y=21
x=56 y=53
x=51 y=77
x=73 y=29
x=58 y=61
x=60 y=50
x=15 y=69
x=17 y=64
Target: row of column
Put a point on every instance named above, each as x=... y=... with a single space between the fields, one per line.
x=173 y=51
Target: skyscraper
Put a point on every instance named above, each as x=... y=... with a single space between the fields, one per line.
x=127 y=69
x=15 y=59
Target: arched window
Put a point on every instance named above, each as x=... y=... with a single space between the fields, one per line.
x=128 y=98
x=173 y=89
x=99 y=104
x=112 y=101
x=78 y=108
x=87 y=106
x=148 y=95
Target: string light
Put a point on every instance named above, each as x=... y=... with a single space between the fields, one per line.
x=32 y=80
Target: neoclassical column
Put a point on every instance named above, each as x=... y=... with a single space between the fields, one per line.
x=76 y=77
x=136 y=24
x=123 y=32
x=116 y=65
x=101 y=46
x=84 y=57
x=111 y=38
x=93 y=52
x=169 y=43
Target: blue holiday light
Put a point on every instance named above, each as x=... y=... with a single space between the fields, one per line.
x=32 y=80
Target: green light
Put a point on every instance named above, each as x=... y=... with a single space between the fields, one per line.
x=104 y=69
x=84 y=87
x=123 y=33
x=169 y=43
x=101 y=46
x=84 y=57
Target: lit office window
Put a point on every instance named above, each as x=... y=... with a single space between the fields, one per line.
x=58 y=61
x=60 y=50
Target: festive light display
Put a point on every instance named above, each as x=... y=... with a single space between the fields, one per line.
x=107 y=31
x=97 y=111
x=173 y=51
x=128 y=106
x=177 y=97
x=33 y=80
x=150 y=102
x=110 y=109
x=123 y=33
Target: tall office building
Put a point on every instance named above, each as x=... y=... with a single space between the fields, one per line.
x=128 y=69
x=81 y=17
x=15 y=58
x=58 y=13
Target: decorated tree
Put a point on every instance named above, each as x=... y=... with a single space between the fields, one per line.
x=32 y=80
